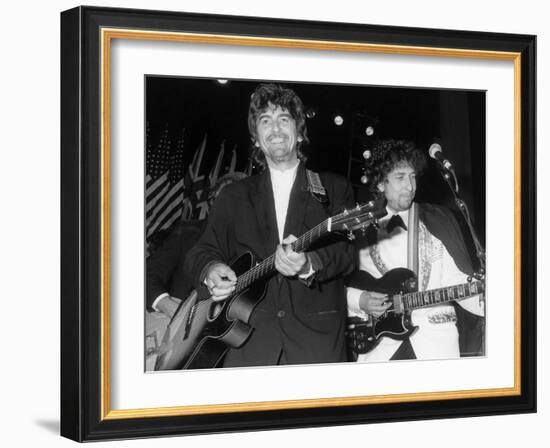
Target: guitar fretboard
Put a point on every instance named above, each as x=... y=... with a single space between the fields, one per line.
x=413 y=300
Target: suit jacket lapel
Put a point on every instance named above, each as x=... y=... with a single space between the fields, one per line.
x=297 y=204
x=261 y=197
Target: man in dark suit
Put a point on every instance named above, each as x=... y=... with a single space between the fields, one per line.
x=301 y=318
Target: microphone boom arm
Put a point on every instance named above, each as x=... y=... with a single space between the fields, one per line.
x=447 y=174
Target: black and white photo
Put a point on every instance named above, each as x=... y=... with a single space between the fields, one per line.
x=298 y=154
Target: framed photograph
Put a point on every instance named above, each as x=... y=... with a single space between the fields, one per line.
x=277 y=224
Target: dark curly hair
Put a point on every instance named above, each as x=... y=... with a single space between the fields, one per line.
x=386 y=155
x=265 y=96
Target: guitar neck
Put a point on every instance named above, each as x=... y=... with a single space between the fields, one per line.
x=420 y=299
x=267 y=266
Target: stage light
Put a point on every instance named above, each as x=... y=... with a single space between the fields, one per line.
x=310 y=113
x=223 y=81
x=364 y=179
x=369 y=130
x=338 y=120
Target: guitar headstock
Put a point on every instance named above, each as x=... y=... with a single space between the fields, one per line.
x=358 y=218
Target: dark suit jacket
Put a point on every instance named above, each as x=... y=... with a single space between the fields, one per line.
x=164 y=267
x=294 y=323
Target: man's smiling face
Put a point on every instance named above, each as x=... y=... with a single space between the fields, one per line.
x=277 y=134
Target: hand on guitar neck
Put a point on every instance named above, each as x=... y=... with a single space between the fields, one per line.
x=288 y=262
x=221 y=280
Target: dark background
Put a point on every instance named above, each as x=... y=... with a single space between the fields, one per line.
x=453 y=118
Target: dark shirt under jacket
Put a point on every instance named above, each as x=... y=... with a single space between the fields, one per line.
x=164 y=267
x=294 y=323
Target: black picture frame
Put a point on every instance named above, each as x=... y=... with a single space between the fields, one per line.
x=85 y=413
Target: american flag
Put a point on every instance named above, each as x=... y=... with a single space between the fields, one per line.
x=164 y=183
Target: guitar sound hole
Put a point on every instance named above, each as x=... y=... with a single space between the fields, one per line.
x=214 y=310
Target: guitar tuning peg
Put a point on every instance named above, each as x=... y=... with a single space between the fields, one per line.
x=351 y=236
x=357 y=206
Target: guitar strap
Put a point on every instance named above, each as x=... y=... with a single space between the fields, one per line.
x=374 y=253
x=315 y=187
x=412 y=245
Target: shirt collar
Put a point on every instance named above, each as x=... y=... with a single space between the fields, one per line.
x=404 y=215
x=286 y=174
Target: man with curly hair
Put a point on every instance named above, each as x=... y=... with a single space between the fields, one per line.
x=426 y=239
x=302 y=317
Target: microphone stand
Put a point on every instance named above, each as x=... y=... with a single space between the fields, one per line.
x=449 y=176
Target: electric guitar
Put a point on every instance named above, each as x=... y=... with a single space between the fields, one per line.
x=201 y=330
x=401 y=286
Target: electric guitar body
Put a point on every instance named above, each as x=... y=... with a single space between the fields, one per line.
x=365 y=334
x=401 y=286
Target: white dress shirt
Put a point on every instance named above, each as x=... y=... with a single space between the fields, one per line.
x=282 y=182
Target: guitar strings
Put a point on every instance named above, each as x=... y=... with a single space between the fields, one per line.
x=267 y=265
x=435 y=296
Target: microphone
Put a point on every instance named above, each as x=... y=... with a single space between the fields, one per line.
x=436 y=153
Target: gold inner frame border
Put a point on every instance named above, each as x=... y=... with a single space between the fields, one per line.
x=107 y=35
